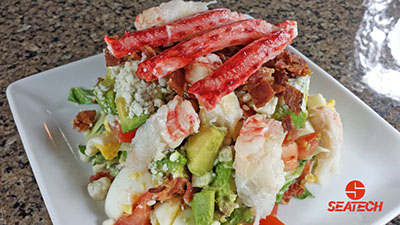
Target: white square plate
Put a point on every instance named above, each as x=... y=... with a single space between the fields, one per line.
x=43 y=116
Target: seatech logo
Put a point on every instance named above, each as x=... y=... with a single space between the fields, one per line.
x=355 y=190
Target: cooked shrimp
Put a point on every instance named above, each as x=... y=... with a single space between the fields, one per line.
x=169 y=12
x=165 y=129
x=327 y=122
x=258 y=164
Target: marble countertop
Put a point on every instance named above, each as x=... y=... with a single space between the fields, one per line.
x=351 y=40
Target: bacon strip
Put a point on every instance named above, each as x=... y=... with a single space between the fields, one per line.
x=293 y=98
x=84 y=120
x=293 y=64
x=261 y=93
x=168 y=190
x=242 y=65
x=170 y=33
x=292 y=132
x=237 y=33
x=114 y=61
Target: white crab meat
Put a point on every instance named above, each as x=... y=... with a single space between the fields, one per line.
x=227 y=113
x=327 y=122
x=167 y=128
x=202 y=67
x=169 y=12
x=258 y=164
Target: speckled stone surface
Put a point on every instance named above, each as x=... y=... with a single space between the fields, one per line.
x=39 y=35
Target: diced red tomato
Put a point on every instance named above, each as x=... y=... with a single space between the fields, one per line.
x=307 y=144
x=289 y=156
x=99 y=175
x=271 y=220
x=123 y=137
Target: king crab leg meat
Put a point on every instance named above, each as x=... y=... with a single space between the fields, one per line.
x=170 y=33
x=236 y=33
x=242 y=65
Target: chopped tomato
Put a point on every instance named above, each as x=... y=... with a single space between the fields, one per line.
x=289 y=156
x=99 y=175
x=123 y=137
x=307 y=144
x=271 y=220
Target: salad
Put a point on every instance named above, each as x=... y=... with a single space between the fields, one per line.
x=204 y=118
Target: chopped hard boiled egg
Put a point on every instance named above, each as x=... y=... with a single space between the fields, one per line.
x=110 y=146
x=185 y=218
x=106 y=125
x=166 y=212
x=308 y=129
x=331 y=104
x=108 y=222
x=106 y=143
x=316 y=100
x=126 y=189
x=269 y=107
x=319 y=100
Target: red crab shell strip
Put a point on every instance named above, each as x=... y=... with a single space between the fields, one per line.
x=170 y=33
x=236 y=33
x=242 y=65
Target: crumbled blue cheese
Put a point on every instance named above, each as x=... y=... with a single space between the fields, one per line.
x=202 y=181
x=99 y=167
x=302 y=84
x=174 y=156
x=225 y=155
x=141 y=97
x=98 y=189
x=111 y=119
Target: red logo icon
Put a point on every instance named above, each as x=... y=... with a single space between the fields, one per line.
x=355 y=190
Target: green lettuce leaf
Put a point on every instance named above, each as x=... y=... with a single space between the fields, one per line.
x=81 y=96
x=306 y=194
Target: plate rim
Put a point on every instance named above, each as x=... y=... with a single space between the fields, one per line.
x=34 y=163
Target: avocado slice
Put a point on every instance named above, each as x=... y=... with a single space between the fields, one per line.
x=238 y=216
x=203 y=207
x=203 y=148
x=224 y=185
x=128 y=124
x=106 y=99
